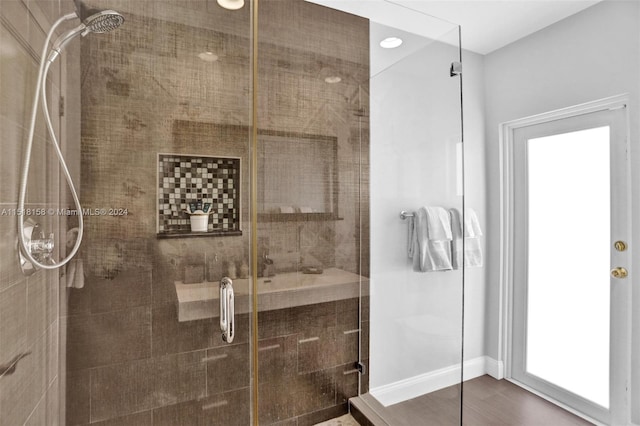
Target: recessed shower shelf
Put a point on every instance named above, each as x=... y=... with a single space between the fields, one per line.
x=297 y=217
x=186 y=180
x=284 y=290
x=181 y=234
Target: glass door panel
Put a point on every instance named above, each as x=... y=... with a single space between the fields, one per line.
x=578 y=332
x=165 y=110
x=312 y=111
x=319 y=76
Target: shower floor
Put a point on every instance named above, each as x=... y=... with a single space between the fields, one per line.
x=487 y=401
x=345 y=420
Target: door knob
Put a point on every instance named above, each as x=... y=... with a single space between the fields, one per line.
x=619 y=272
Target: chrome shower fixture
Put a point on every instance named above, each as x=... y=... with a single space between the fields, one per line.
x=40 y=247
x=98 y=22
x=104 y=21
x=36 y=253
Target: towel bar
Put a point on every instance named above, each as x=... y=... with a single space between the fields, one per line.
x=404 y=215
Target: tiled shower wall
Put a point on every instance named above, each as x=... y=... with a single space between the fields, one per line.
x=144 y=91
x=29 y=321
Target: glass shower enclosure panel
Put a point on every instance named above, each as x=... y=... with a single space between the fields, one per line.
x=165 y=133
x=416 y=251
x=340 y=316
x=313 y=62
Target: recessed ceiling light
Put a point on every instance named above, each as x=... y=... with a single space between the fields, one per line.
x=333 y=79
x=391 y=42
x=231 y=4
x=208 y=56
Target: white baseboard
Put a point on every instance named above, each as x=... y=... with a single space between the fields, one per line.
x=412 y=387
x=473 y=368
x=494 y=368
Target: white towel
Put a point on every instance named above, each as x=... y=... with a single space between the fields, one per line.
x=438 y=223
x=410 y=236
x=472 y=247
x=75 y=268
x=72 y=236
x=471 y=224
x=472 y=250
x=75 y=273
x=430 y=254
x=457 y=245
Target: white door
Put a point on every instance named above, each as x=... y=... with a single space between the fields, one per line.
x=571 y=234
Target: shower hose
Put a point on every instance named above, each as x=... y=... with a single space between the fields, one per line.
x=41 y=87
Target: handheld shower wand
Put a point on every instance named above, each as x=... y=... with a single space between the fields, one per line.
x=96 y=22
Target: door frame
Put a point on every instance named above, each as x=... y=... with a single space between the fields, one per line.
x=620 y=337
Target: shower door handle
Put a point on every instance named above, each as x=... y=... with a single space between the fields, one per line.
x=227 y=308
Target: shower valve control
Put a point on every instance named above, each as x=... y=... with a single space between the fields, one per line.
x=40 y=247
x=43 y=245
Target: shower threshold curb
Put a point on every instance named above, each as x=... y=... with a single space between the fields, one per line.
x=363 y=413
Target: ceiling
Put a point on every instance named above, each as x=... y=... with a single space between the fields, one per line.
x=486 y=25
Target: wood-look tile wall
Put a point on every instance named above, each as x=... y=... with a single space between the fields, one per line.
x=29 y=322
x=144 y=91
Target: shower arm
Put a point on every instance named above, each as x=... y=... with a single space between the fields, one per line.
x=40 y=84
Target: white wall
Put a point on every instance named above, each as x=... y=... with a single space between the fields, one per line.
x=475 y=194
x=591 y=55
x=415 y=125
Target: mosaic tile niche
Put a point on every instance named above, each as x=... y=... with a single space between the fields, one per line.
x=184 y=179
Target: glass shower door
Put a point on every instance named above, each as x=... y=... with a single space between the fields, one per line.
x=323 y=187
x=165 y=129
x=313 y=61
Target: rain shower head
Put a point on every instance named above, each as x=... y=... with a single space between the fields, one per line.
x=93 y=21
